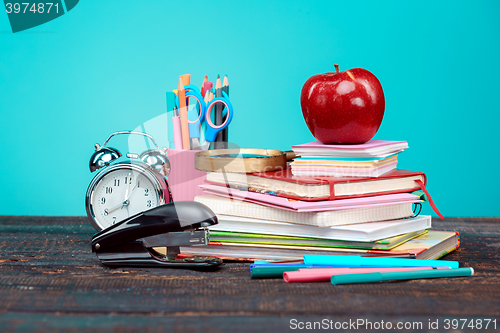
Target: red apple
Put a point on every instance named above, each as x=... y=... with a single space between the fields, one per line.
x=343 y=107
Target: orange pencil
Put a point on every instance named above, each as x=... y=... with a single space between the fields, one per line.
x=184 y=116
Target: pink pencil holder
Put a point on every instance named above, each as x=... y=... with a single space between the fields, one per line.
x=184 y=179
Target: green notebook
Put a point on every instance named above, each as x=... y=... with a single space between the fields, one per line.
x=249 y=238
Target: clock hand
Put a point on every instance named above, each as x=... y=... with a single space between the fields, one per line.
x=126 y=191
x=125 y=202
x=126 y=199
x=116 y=207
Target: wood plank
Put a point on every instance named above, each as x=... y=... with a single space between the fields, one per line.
x=47 y=269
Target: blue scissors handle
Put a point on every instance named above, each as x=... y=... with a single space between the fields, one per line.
x=194 y=125
x=213 y=129
x=188 y=88
x=195 y=89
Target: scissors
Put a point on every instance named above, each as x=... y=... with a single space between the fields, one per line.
x=204 y=115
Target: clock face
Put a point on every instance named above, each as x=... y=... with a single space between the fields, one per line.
x=121 y=193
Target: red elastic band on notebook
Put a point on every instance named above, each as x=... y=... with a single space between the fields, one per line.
x=431 y=202
x=331 y=183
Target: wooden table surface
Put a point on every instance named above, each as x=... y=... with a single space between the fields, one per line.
x=51 y=281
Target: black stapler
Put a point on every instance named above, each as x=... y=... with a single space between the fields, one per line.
x=131 y=241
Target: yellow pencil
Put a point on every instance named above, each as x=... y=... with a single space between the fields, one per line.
x=184 y=116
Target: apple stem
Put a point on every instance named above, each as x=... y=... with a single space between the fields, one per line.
x=337 y=67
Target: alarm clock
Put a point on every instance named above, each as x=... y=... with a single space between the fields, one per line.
x=124 y=188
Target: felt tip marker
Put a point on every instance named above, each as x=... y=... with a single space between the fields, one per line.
x=325 y=274
x=409 y=275
x=312 y=260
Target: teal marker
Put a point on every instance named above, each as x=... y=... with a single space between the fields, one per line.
x=313 y=260
x=273 y=271
x=170 y=114
x=407 y=275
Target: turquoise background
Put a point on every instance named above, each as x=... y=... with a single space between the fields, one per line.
x=105 y=66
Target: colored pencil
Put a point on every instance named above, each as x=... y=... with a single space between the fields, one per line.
x=184 y=117
x=225 y=131
x=218 y=113
x=211 y=96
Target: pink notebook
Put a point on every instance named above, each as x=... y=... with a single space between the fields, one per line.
x=308 y=206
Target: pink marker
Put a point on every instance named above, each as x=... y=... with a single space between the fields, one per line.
x=176 y=122
x=208 y=85
x=325 y=274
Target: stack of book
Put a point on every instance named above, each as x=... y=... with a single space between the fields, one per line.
x=280 y=216
x=370 y=159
